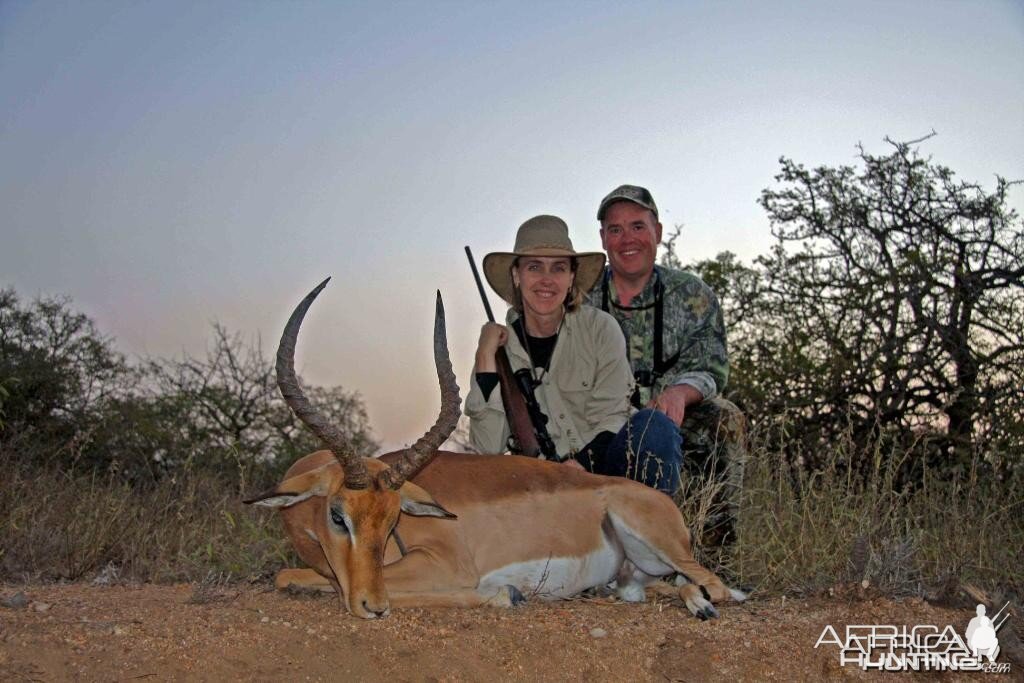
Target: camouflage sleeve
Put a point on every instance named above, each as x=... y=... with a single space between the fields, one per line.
x=694 y=317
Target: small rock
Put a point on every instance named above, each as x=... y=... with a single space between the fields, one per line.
x=310 y=631
x=41 y=606
x=16 y=601
x=598 y=633
x=119 y=630
x=264 y=620
x=286 y=624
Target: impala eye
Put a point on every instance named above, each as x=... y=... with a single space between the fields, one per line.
x=339 y=519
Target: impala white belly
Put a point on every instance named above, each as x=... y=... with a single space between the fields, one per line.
x=556 y=577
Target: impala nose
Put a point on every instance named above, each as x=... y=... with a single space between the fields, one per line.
x=374 y=611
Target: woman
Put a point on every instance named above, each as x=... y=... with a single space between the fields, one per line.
x=576 y=357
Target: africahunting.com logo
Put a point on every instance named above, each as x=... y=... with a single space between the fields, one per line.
x=921 y=648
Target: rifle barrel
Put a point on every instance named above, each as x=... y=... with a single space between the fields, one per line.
x=479 y=285
x=517 y=410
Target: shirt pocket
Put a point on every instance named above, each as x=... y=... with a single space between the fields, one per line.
x=576 y=380
x=577 y=389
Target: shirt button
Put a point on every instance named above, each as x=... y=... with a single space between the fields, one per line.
x=562 y=416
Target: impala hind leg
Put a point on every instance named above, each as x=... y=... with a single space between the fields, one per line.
x=631 y=583
x=657 y=543
x=699 y=590
x=698 y=598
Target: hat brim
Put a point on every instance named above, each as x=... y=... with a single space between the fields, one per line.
x=498 y=269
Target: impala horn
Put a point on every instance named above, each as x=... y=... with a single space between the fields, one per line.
x=352 y=465
x=421 y=452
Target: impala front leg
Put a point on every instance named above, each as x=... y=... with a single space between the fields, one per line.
x=421 y=579
x=307 y=579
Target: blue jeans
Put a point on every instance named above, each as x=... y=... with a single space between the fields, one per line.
x=648 y=449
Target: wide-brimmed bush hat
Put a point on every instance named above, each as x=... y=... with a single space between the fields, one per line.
x=541 y=236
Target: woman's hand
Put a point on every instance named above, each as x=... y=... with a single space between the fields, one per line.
x=492 y=337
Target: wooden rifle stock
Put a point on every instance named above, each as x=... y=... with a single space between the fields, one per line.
x=515 y=407
x=512 y=399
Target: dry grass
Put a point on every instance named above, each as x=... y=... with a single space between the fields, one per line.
x=214 y=587
x=59 y=526
x=798 y=531
x=805 y=531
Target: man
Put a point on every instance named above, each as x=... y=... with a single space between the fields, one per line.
x=675 y=340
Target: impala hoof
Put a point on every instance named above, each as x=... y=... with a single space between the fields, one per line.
x=708 y=612
x=700 y=608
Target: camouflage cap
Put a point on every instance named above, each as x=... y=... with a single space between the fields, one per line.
x=629 y=193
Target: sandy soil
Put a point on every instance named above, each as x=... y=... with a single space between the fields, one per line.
x=149 y=632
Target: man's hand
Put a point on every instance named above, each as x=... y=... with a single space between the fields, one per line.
x=674 y=399
x=492 y=337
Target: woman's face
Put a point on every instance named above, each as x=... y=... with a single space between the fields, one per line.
x=544 y=282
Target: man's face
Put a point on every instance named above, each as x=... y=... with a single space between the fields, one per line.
x=630 y=235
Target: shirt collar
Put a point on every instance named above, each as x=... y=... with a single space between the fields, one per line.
x=644 y=297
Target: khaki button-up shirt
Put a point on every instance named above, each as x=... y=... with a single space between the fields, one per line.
x=585 y=391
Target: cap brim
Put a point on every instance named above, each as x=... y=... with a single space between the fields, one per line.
x=612 y=200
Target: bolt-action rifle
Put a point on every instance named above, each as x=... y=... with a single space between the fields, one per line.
x=527 y=421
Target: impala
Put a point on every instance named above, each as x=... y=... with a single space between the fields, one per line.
x=422 y=527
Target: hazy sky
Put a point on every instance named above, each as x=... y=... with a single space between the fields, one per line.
x=168 y=164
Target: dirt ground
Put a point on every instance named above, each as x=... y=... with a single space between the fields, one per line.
x=150 y=632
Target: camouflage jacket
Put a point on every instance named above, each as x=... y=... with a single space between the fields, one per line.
x=692 y=325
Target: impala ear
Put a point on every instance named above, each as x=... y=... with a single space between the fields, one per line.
x=316 y=482
x=419 y=503
x=273 y=499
